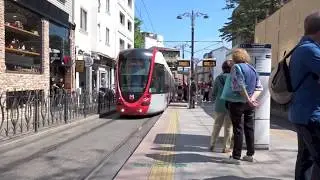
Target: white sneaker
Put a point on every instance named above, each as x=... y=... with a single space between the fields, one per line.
x=248 y=158
x=231 y=160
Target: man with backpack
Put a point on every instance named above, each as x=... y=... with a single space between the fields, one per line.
x=298 y=85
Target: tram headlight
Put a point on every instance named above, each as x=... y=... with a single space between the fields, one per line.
x=122 y=110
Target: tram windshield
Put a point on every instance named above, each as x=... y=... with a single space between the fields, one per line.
x=133 y=74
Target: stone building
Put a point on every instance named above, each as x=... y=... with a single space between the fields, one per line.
x=284 y=28
x=36 y=44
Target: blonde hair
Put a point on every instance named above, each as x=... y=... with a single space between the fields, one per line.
x=240 y=55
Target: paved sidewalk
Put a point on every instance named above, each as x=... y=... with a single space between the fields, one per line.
x=177 y=148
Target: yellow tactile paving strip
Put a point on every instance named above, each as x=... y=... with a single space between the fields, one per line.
x=164 y=169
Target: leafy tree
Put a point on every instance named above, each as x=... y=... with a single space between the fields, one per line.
x=246 y=13
x=138 y=37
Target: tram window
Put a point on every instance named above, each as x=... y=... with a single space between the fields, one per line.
x=158 y=80
x=134 y=74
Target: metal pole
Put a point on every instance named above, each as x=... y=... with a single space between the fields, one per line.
x=192 y=54
x=182 y=67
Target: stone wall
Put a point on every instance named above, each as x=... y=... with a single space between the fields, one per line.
x=284 y=28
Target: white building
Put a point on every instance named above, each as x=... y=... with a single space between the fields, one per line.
x=152 y=40
x=220 y=55
x=104 y=28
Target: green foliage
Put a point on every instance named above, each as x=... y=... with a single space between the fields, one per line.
x=246 y=13
x=138 y=37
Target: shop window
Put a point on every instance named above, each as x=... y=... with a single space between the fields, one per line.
x=59 y=44
x=22 y=40
x=122 y=18
x=83 y=20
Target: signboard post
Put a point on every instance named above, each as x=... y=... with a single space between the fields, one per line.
x=261 y=60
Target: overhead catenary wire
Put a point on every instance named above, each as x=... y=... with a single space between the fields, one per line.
x=148 y=15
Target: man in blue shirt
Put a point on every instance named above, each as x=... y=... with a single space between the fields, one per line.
x=304 y=111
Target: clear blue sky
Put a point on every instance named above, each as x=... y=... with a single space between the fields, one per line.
x=163 y=15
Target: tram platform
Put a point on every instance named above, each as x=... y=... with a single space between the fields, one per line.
x=177 y=148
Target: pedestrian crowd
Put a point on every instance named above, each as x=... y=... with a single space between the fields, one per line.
x=236 y=90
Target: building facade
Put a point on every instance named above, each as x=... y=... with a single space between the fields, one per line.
x=285 y=27
x=206 y=74
x=37 y=42
x=152 y=40
x=105 y=27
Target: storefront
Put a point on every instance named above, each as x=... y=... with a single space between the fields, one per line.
x=37 y=45
x=23 y=40
x=60 y=59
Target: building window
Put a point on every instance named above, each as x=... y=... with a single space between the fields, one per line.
x=83 y=19
x=129 y=25
x=129 y=46
x=107 y=36
x=59 y=44
x=99 y=32
x=130 y=3
x=62 y=1
x=107 y=5
x=121 y=44
x=99 y=5
x=122 y=18
x=23 y=44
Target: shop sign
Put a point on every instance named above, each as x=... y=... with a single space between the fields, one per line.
x=209 y=63
x=183 y=63
x=88 y=61
x=79 y=66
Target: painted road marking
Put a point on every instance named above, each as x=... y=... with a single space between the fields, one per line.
x=165 y=168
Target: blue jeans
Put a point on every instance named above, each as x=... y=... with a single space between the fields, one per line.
x=308 y=151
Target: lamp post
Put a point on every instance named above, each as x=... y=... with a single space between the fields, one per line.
x=192 y=16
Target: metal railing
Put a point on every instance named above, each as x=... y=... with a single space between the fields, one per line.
x=30 y=112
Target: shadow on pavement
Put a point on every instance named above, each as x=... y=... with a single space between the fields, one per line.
x=276 y=122
x=184 y=142
x=240 y=178
x=185 y=158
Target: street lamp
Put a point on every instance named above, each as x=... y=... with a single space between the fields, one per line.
x=192 y=16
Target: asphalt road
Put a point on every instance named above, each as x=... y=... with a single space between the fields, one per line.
x=96 y=149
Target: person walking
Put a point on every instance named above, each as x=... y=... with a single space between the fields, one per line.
x=221 y=114
x=245 y=87
x=304 y=109
x=193 y=93
x=206 y=92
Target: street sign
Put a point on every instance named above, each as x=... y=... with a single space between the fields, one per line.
x=208 y=63
x=183 y=63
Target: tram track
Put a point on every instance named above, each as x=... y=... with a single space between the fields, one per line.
x=54 y=157
x=37 y=154
x=135 y=134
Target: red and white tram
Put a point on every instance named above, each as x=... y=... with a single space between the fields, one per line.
x=145 y=84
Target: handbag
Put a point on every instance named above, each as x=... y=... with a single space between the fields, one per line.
x=228 y=94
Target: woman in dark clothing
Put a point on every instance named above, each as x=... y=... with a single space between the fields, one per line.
x=245 y=83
